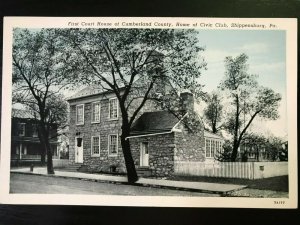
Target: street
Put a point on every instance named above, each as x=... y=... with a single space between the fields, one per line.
x=21 y=183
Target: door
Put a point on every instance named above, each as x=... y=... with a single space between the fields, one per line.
x=144 y=154
x=78 y=150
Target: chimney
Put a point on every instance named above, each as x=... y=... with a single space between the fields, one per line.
x=187 y=101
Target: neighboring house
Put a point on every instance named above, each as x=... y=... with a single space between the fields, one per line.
x=25 y=143
x=158 y=138
x=258 y=152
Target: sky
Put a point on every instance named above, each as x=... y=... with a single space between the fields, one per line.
x=267 y=56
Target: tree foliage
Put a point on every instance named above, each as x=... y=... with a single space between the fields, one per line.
x=137 y=65
x=253 y=143
x=39 y=73
x=224 y=154
x=248 y=99
x=213 y=113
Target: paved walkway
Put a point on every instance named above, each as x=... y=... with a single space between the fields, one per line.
x=181 y=185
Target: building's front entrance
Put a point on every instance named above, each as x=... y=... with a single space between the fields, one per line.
x=78 y=150
x=144 y=154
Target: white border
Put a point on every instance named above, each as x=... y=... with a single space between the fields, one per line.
x=289 y=25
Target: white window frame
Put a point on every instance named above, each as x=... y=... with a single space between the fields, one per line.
x=212 y=147
x=213 y=151
x=92 y=146
x=206 y=156
x=111 y=99
x=108 y=145
x=77 y=106
x=24 y=130
x=92 y=114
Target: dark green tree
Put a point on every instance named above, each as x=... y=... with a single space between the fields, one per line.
x=248 y=99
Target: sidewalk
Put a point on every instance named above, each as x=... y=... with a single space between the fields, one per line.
x=180 y=185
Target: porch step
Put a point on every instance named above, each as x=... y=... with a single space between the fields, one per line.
x=143 y=172
x=73 y=167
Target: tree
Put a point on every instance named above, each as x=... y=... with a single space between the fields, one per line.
x=224 y=154
x=39 y=73
x=253 y=143
x=248 y=99
x=274 y=148
x=213 y=112
x=284 y=153
x=136 y=65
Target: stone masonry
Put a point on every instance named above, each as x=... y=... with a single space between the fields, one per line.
x=164 y=149
x=104 y=128
x=161 y=153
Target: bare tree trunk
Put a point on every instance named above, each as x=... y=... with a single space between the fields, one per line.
x=43 y=156
x=50 y=169
x=234 y=151
x=236 y=130
x=130 y=167
x=44 y=138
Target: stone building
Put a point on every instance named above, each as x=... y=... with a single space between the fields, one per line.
x=158 y=138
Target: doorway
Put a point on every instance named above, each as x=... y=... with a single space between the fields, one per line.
x=144 y=154
x=78 y=150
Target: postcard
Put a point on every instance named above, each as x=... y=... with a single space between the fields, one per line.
x=163 y=112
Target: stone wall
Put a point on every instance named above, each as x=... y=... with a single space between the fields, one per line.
x=163 y=149
x=189 y=146
x=104 y=128
x=161 y=153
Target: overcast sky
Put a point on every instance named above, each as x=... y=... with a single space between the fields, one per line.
x=266 y=51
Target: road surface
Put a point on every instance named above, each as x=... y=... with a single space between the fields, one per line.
x=23 y=183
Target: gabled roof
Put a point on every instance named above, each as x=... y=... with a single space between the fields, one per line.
x=209 y=134
x=21 y=113
x=87 y=91
x=154 y=122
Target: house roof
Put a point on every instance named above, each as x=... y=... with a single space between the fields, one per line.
x=96 y=89
x=154 y=122
x=209 y=134
x=21 y=113
x=87 y=91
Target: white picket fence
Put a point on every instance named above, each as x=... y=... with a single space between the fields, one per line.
x=244 y=170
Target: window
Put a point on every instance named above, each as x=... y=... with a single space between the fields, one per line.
x=21 y=129
x=95 y=146
x=212 y=147
x=113 y=108
x=207 y=148
x=96 y=112
x=80 y=114
x=112 y=145
x=34 y=130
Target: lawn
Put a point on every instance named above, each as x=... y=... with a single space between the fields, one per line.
x=279 y=183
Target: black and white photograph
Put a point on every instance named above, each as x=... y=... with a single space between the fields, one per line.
x=150 y=112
